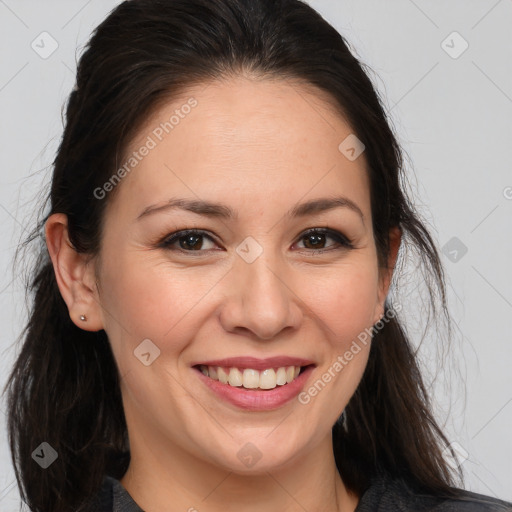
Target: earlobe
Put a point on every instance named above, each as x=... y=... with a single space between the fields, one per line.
x=74 y=274
x=386 y=274
x=395 y=239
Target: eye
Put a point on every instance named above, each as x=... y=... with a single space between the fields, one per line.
x=315 y=238
x=189 y=240
x=193 y=240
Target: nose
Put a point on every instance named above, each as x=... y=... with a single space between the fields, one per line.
x=260 y=299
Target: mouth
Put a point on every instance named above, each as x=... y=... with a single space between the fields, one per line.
x=253 y=384
x=251 y=379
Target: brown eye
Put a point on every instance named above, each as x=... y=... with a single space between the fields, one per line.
x=315 y=239
x=189 y=241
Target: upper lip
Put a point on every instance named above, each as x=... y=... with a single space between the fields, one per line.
x=256 y=363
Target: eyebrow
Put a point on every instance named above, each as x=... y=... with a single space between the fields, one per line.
x=221 y=211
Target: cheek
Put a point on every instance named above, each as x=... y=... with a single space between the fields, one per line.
x=148 y=301
x=148 y=298
x=144 y=298
x=345 y=308
x=346 y=300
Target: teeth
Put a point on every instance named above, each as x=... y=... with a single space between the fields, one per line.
x=252 y=379
x=235 y=376
x=222 y=374
x=268 y=379
x=281 y=376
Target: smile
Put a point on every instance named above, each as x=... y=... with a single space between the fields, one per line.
x=250 y=378
x=255 y=384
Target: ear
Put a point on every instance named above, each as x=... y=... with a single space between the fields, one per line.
x=386 y=273
x=75 y=275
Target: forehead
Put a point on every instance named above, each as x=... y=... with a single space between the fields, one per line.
x=262 y=138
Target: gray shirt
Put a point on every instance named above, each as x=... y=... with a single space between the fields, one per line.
x=383 y=495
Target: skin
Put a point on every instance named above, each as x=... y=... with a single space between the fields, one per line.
x=259 y=147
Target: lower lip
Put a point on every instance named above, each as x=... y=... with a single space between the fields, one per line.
x=253 y=400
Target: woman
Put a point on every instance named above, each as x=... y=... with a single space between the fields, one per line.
x=271 y=371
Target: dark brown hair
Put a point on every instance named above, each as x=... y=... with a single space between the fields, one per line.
x=64 y=388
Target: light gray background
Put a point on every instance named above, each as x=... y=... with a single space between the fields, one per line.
x=454 y=119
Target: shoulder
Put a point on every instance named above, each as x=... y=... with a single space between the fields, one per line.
x=112 y=497
x=103 y=500
x=393 y=495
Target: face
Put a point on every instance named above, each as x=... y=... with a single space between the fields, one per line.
x=252 y=292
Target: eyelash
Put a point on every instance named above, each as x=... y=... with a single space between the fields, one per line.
x=344 y=242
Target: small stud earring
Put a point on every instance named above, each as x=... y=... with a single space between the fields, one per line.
x=83 y=318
